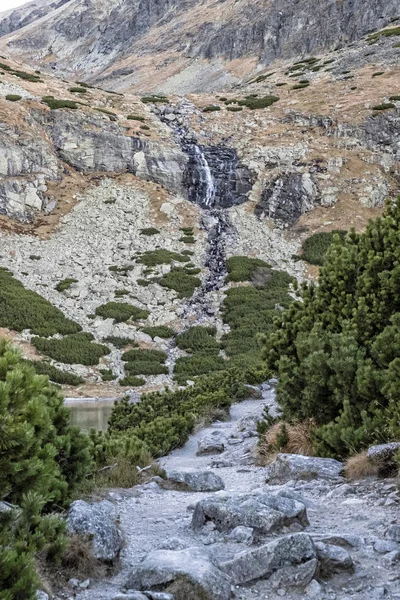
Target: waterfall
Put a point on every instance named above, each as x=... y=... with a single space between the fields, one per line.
x=209 y=195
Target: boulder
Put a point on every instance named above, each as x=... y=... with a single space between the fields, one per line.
x=287 y=467
x=383 y=455
x=161 y=567
x=213 y=443
x=196 y=481
x=293 y=551
x=333 y=559
x=393 y=533
x=242 y=535
x=263 y=512
x=98 y=520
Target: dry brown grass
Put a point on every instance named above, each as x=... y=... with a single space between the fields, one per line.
x=78 y=558
x=359 y=467
x=297 y=440
x=183 y=589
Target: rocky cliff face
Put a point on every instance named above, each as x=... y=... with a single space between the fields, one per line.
x=150 y=44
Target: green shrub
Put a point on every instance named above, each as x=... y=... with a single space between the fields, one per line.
x=85 y=85
x=211 y=108
x=42 y=460
x=145 y=127
x=121 y=311
x=194 y=271
x=177 y=279
x=337 y=350
x=72 y=349
x=136 y=118
x=255 y=103
x=378 y=73
x=112 y=116
x=143 y=282
x=65 y=284
x=144 y=355
x=149 y=231
x=281 y=84
x=188 y=367
x=155 y=98
x=161 y=331
x=25 y=76
x=121 y=293
x=394 y=98
x=152 y=258
x=198 y=338
x=262 y=78
x=78 y=90
x=187 y=239
x=315 y=247
x=142 y=367
x=55 y=375
x=107 y=375
x=124 y=269
x=187 y=253
x=34 y=257
x=56 y=104
x=132 y=381
x=13 y=97
x=384 y=106
x=119 y=342
x=234 y=108
x=241 y=268
x=394 y=31
x=300 y=86
x=24 y=309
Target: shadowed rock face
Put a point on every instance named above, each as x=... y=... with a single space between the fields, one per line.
x=274 y=29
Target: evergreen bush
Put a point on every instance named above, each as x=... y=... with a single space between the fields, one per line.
x=121 y=311
x=161 y=331
x=72 y=349
x=315 y=247
x=180 y=281
x=152 y=258
x=119 y=342
x=241 y=268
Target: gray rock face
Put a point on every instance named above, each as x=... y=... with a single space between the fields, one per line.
x=333 y=559
x=162 y=567
x=197 y=481
x=211 y=444
x=288 y=551
x=295 y=466
x=288 y=197
x=242 y=535
x=263 y=512
x=99 y=521
x=383 y=453
x=393 y=533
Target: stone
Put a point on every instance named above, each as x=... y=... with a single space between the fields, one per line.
x=41 y=595
x=263 y=512
x=196 y=481
x=294 y=576
x=383 y=454
x=313 y=589
x=130 y=595
x=242 y=535
x=98 y=520
x=391 y=558
x=214 y=443
x=384 y=546
x=333 y=559
x=393 y=533
x=161 y=567
x=172 y=544
x=159 y=596
x=288 y=551
x=295 y=466
x=344 y=540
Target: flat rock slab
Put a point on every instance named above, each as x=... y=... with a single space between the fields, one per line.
x=161 y=567
x=294 y=550
x=196 y=481
x=263 y=512
x=97 y=520
x=287 y=467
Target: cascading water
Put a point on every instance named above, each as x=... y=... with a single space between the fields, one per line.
x=209 y=196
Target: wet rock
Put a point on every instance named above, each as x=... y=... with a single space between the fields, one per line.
x=263 y=512
x=196 y=481
x=288 y=551
x=214 y=443
x=97 y=520
x=295 y=466
x=161 y=567
x=333 y=559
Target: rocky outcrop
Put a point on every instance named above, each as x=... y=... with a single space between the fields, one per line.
x=295 y=466
x=195 y=481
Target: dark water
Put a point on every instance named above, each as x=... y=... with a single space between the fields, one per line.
x=91 y=414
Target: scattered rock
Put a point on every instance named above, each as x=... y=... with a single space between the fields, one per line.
x=384 y=546
x=288 y=551
x=99 y=521
x=162 y=567
x=41 y=595
x=131 y=596
x=214 y=443
x=295 y=466
x=196 y=481
x=333 y=559
x=383 y=455
x=393 y=533
x=242 y=535
x=264 y=512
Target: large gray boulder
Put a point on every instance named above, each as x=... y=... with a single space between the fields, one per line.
x=161 y=567
x=264 y=512
x=295 y=466
x=383 y=455
x=333 y=559
x=196 y=481
x=293 y=550
x=98 y=520
x=212 y=443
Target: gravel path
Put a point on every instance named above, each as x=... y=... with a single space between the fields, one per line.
x=151 y=517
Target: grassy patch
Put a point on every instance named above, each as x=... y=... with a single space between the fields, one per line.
x=180 y=281
x=72 y=349
x=121 y=312
x=151 y=258
x=13 y=97
x=119 y=342
x=149 y=231
x=161 y=331
x=65 y=284
x=316 y=246
x=241 y=268
x=24 y=309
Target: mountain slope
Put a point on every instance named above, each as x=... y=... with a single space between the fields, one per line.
x=210 y=44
